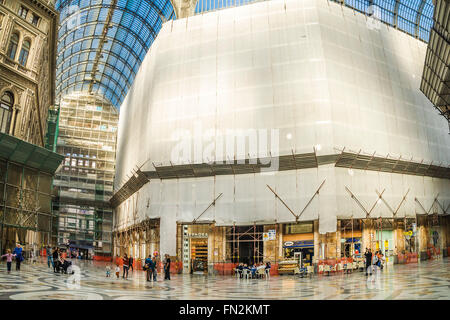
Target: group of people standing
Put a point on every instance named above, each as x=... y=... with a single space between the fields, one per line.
x=373 y=261
x=56 y=258
x=150 y=266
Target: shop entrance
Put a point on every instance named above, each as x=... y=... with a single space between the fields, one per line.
x=195 y=248
x=245 y=244
x=351 y=238
x=199 y=255
x=307 y=254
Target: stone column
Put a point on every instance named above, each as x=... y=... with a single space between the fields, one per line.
x=316 y=242
x=15 y=112
x=338 y=240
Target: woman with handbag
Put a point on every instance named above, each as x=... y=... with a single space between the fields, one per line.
x=19 y=257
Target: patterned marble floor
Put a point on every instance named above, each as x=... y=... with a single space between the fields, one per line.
x=426 y=280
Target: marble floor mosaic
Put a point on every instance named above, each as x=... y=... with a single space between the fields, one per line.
x=425 y=280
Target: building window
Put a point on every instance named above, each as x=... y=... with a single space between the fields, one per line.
x=35 y=20
x=13 y=44
x=23 y=57
x=23 y=12
x=6 y=106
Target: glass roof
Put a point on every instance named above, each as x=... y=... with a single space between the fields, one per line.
x=102 y=43
x=414 y=17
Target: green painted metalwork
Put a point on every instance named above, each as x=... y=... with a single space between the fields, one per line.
x=27 y=154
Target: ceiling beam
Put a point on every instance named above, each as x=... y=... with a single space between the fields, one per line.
x=98 y=55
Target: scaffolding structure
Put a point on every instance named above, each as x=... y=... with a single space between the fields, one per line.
x=25 y=194
x=52 y=128
x=139 y=240
x=87 y=139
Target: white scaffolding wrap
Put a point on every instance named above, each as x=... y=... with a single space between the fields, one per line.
x=310 y=70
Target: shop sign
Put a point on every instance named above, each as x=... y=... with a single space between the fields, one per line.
x=305 y=227
x=300 y=244
x=272 y=234
x=198 y=235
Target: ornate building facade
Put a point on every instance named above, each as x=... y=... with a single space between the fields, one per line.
x=27 y=67
x=27 y=92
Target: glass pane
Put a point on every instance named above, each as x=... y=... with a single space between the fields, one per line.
x=12 y=196
x=30 y=179
x=14 y=174
x=45 y=183
x=44 y=222
x=29 y=200
x=2 y=170
x=44 y=203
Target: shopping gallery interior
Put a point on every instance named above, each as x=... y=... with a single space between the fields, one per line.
x=262 y=146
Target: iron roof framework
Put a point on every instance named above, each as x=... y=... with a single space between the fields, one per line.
x=436 y=74
x=102 y=43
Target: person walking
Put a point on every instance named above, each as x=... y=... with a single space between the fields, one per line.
x=18 y=254
x=131 y=263
x=126 y=262
x=148 y=267
x=55 y=256
x=48 y=250
x=9 y=257
x=167 y=267
x=154 y=267
x=368 y=256
x=267 y=270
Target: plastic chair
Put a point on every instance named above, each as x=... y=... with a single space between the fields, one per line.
x=321 y=268
x=246 y=273
x=327 y=268
x=334 y=268
x=260 y=273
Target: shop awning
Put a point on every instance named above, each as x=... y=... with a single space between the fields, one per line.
x=349 y=240
x=299 y=244
x=29 y=155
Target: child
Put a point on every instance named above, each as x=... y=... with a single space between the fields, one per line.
x=108 y=271
x=8 y=256
x=117 y=271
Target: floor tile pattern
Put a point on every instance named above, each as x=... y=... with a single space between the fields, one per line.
x=425 y=280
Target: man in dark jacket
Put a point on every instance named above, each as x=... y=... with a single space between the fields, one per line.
x=131 y=263
x=368 y=256
x=55 y=260
x=167 y=267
